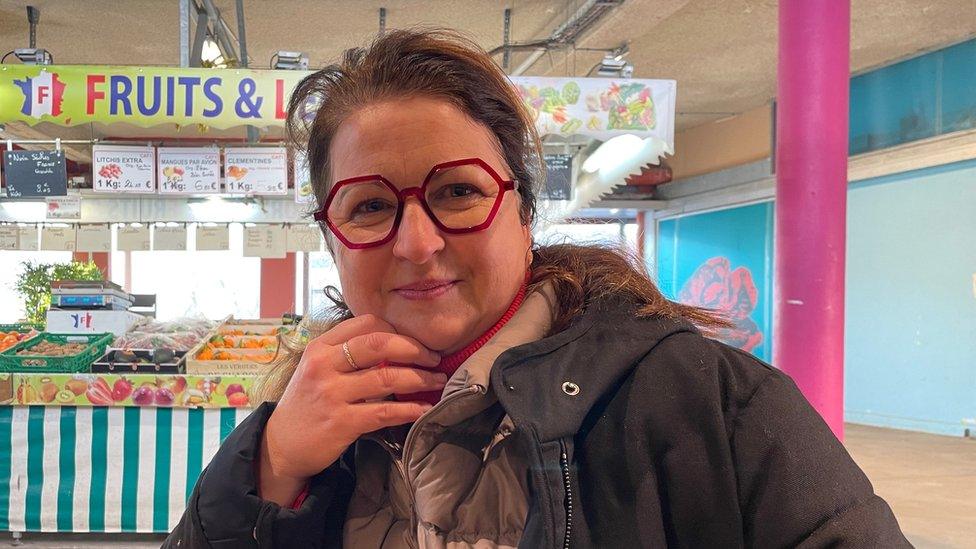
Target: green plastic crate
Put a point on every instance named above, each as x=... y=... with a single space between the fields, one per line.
x=10 y=361
x=22 y=327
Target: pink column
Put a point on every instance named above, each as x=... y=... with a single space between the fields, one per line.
x=811 y=200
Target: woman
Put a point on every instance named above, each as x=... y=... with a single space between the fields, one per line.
x=556 y=398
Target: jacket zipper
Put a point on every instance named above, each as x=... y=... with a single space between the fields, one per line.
x=568 y=501
x=400 y=460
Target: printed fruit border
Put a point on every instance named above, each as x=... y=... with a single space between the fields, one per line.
x=173 y=391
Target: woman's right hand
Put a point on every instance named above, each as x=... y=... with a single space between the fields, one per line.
x=328 y=403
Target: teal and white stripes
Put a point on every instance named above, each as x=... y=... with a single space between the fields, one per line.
x=103 y=469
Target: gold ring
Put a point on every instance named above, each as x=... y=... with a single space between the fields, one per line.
x=349 y=359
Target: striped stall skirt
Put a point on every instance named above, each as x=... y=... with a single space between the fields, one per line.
x=104 y=469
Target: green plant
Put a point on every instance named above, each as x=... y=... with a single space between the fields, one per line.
x=34 y=283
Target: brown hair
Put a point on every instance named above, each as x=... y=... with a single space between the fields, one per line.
x=402 y=63
x=444 y=64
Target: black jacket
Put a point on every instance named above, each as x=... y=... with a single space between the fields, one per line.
x=672 y=440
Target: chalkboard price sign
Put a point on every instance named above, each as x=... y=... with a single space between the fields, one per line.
x=35 y=173
x=559 y=177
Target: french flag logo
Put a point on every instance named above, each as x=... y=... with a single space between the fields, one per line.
x=42 y=94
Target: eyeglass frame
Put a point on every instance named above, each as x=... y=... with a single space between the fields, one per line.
x=504 y=185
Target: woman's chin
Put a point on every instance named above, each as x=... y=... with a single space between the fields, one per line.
x=441 y=336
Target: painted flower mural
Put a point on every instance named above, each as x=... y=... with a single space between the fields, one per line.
x=715 y=285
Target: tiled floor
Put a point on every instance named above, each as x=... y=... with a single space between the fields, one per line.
x=929 y=481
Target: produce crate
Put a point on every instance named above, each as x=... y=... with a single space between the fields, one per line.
x=23 y=327
x=237 y=347
x=10 y=361
x=244 y=361
x=9 y=334
x=142 y=361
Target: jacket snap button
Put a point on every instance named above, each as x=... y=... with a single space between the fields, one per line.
x=570 y=388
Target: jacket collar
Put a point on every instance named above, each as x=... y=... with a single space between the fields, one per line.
x=534 y=382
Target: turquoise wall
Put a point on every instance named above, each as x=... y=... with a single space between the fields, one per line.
x=910 y=349
x=911 y=300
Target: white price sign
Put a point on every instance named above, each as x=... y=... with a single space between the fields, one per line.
x=303 y=180
x=256 y=171
x=133 y=238
x=60 y=239
x=9 y=237
x=169 y=238
x=27 y=239
x=63 y=207
x=264 y=241
x=93 y=238
x=213 y=238
x=188 y=170
x=123 y=169
x=303 y=238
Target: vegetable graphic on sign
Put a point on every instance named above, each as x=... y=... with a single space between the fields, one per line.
x=549 y=105
x=628 y=106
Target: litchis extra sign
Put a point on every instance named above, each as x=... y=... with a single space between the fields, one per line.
x=184 y=170
x=123 y=169
x=256 y=170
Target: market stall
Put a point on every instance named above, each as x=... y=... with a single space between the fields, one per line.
x=99 y=436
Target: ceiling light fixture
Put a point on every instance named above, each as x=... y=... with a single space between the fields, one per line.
x=615 y=66
x=290 y=60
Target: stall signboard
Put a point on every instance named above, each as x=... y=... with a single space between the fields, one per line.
x=600 y=107
x=63 y=207
x=93 y=237
x=147 y=96
x=256 y=170
x=185 y=170
x=303 y=180
x=30 y=174
x=123 y=169
x=211 y=238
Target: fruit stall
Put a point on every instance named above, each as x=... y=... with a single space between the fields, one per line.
x=105 y=432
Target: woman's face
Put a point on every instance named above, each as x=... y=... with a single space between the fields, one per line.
x=442 y=289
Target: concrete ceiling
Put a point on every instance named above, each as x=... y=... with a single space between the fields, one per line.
x=721 y=52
